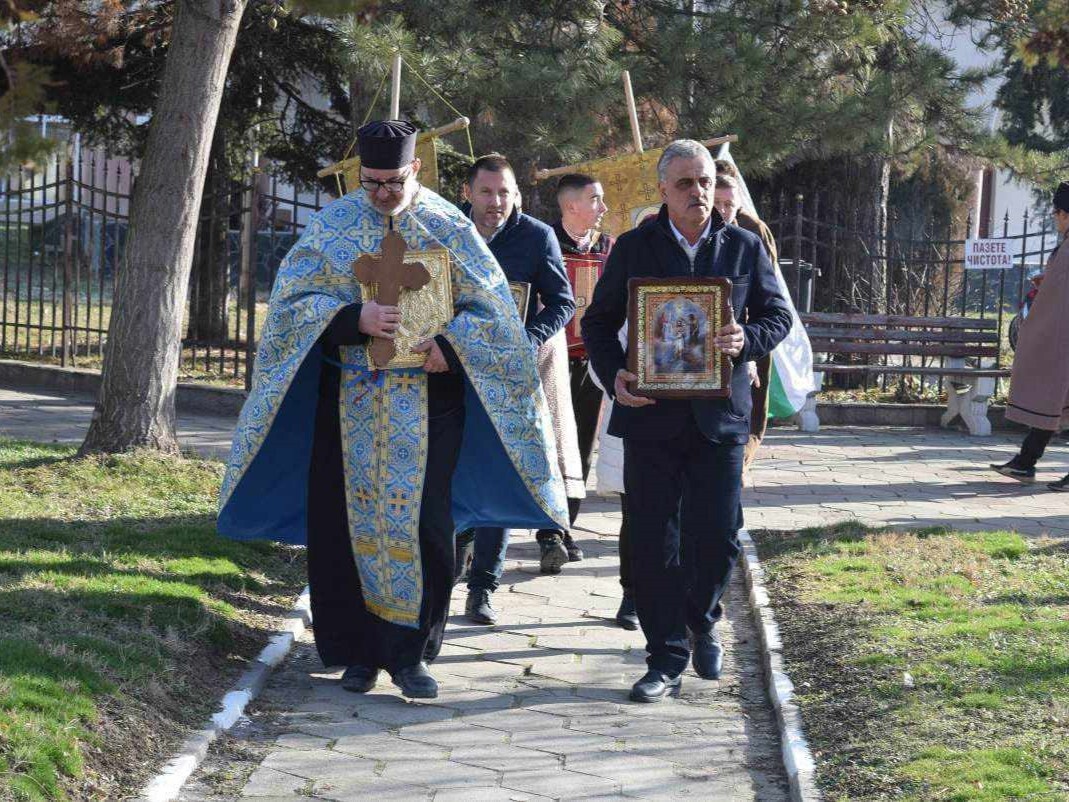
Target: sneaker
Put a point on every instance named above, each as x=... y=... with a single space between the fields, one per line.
x=554 y=555
x=478 y=608
x=1015 y=471
x=1061 y=486
x=575 y=554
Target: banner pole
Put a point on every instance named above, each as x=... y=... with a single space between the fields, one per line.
x=395 y=89
x=632 y=112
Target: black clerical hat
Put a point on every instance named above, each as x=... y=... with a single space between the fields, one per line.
x=387 y=144
x=1061 y=196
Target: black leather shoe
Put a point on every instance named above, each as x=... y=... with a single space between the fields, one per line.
x=359 y=679
x=1061 y=486
x=478 y=608
x=416 y=682
x=554 y=555
x=575 y=554
x=626 y=616
x=1015 y=471
x=707 y=655
x=654 y=686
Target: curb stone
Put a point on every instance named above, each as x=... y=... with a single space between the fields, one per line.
x=166 y=785
x=797 y=757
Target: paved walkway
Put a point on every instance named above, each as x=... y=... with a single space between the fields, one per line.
x=535 y=707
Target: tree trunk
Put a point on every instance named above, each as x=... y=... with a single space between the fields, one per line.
x=209 y=279
x=135 y=407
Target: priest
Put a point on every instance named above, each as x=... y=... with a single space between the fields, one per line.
x=373 y=465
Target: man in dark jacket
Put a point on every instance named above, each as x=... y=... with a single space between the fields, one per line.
x=684 y=455
x=528 y=252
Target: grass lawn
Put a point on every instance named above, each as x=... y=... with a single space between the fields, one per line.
x=122 y=615
x=931 y=665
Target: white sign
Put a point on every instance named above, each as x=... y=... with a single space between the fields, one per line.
x=988 y=254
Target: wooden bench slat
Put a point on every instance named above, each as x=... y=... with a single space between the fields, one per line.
x=929 y=371
x=902 y=334
x=901 y=321
x=902 y=349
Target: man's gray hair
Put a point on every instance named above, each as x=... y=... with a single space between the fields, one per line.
x=682 y=149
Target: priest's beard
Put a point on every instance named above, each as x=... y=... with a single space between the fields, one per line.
x=397 y=204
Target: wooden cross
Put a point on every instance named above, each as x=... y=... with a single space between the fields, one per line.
x=390 y=273
x=362 y=497
x=398 y=501
x=406 y=381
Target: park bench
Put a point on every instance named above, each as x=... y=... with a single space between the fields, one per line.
x=963 y=350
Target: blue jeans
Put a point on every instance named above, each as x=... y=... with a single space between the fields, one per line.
x=488 y=556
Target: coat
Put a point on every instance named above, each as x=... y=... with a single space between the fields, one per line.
x=651 y=250
x=1039 y=387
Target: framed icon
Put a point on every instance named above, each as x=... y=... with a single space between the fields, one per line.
x=672 y=325
x=521 y=294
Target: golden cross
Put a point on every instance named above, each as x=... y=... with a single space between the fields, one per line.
x=390 y=273
x=406 y=381
x=362 y=497
x=398 y=501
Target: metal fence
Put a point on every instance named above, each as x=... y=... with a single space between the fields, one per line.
x=832 y=264
x=64 y=229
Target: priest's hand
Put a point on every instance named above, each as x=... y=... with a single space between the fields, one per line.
x=377 y=320
x=621 y=394
x=435 y=359
x=730 y=339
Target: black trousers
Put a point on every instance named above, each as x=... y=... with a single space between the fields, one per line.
x=683 y=519
x=624 y=546
x=346 y=633
x=586 y=404
x=1035 y=443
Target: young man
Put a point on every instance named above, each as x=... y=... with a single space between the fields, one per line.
x=581 y=201
x=683 y=459
x=527 y=251
x=374 y=467
x=1039 y=387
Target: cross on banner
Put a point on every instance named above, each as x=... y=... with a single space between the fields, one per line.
x=390 y=273
x=362 y=497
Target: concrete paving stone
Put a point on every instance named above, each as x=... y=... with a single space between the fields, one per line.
x=386 y=789
x=441 y=774
x=565 y=742
x=467 y=700
x=402 y=713
x=386 y=748
x=559 y=784
x=622 y=726
x=454 y=734
x=486 y=794
x=270 y=782
x=317 y=764
x=504 y=757
x=302 y=740
x=332 y=729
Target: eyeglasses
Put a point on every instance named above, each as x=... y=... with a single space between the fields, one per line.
x=394 y=185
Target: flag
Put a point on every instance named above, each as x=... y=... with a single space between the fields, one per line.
x=792 y=360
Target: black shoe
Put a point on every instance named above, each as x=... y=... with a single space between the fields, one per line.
x=707 y=655
x=416 y=682
x=1061 y=486
x=554 y=555
x=654 y=686
x=575 y=554
x=1015 y=471
x=359 y=679
x=478 y=608
x=626 y=616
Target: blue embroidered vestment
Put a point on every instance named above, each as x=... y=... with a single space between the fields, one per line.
x=506 y=475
